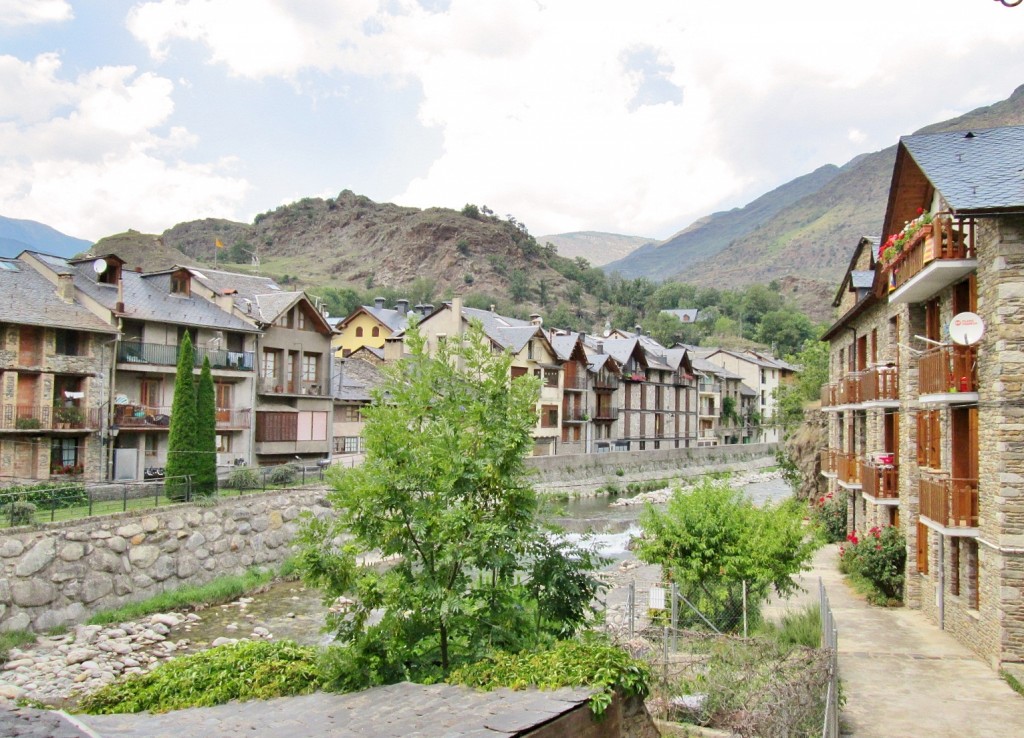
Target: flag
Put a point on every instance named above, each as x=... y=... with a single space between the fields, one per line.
x=218 y=243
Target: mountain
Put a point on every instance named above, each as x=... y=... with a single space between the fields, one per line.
x=596 y=247
x=18 y=235
x=815 y=235
x=711 y=234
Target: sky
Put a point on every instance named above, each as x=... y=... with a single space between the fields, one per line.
x=627 y=117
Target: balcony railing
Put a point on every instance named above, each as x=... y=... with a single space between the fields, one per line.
x=709 y=388
x=947 y=369
x=880 y=481
x=880 y=383
x=848 y=468
x=227 y=418
x=577 y=383
x=574 y=415
x=134 y=352
x=142 y=416
x=604 y=381
x=47 y=417
x=606 y=413
x=849 y=389
x=952 y=503
x=934 y=244
x=635 y=377
x=828 y=461
x=829 y=395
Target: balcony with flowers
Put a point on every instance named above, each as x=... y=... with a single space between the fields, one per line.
x=926 y=255
x=947 y=375
x=880 y=479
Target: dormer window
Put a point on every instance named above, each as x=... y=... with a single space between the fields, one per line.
x=112 y=274
x=181 y=283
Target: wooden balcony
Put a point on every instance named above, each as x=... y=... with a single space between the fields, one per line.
x=828 y=462
x=829 y=395
x=848 y=469
x=849 y=389
x=606 y=414
x=140 y=417
x=574 y=415
x=952 y=503
x=880 y=385
x=48 y=418
x=936 y=257
x=606 y=381
x=577 y=383
x=948 y=375
x=880 y=481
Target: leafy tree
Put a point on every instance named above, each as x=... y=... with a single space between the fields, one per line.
x=205 y=480
x=443 y=489
x=518 y=286
x=787 y=330
x=183 y=433
x=712 y=539
x=791 y=398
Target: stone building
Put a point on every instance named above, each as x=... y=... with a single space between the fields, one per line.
x=55 y=369
x=926 y=377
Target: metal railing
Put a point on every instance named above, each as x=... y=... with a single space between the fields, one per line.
x=830 y=643
x=48 y=417
x=137 y=352
x=947 y=369
x=880 y=481
x=952 y=503
x=574 y=415
x=879 y=383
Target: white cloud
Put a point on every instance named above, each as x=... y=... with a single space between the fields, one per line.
x=90 y=156
x=30 y=12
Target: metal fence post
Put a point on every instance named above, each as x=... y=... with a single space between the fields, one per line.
x=124 y=497
x=744 y=608
x=631 y=605
x=675 y=616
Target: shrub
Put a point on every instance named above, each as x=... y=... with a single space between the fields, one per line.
x=238 y=671
x=829 y=513
x=46 y=496
x=879 y=558
x=284 y=474
x=244 y=478
x=21 y=513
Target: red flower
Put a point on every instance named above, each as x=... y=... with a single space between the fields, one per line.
x=920 y=211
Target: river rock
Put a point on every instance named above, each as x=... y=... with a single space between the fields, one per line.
x=127 y=531
x=32 y=593
x=166 y=619
x=11 y=547
x=222 y=641
x=143 y=556
x=96 y=586
x=72 y=551
x=117 y=544
x=11 y=692
x=39 y=556
x=78 y=655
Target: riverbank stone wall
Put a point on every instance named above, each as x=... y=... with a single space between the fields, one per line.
x=62 y=573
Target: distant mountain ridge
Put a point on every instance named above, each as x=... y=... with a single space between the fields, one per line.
x=18 y=235
x=596 y=247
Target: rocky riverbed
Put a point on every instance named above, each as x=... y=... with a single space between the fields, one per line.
x=661 y=496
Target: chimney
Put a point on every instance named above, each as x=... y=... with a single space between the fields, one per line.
x=378 y=302
x=394 y=347
x=536 y=319
x=492 y=308
x=599 y=346
x=418 y=308
x=66 y=287
x=427 y=309
x=638 y=330
x=119 y=307
x=402 y=306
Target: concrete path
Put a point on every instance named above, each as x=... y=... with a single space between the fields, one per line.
x=902 y=676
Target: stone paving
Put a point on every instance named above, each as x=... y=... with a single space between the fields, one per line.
x=902 y=676
x=24 y=722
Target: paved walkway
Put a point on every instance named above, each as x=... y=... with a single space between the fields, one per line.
x=902 y=676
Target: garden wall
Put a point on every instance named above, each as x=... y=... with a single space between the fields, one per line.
x=587 y=472
x=63 y=572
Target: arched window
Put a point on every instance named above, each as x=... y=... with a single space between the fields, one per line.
x=376 y=331
x=359 y=332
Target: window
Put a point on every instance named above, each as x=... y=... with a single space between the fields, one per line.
x=376 y=331
x=549 y=416
x=972 y=575
x=269 y=363
x=223 y=443
x=550 y=377
x=954 y=566
x=67 y=342
x=359 y=331
x=180 y=284
x=310 y=365
x=64 y=456
x=346 y=444
x=922 y=548
x=150 y=450
x=300 y=322
x=518 y=371
x=271 y=426
x=351 y=414
x=929 y=439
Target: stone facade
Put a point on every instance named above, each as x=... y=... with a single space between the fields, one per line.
x=61 y=573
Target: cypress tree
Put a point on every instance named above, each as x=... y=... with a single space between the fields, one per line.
x=205 y=480
x=181 y=442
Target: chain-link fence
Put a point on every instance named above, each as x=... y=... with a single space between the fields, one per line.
x=830 y=644
x=716 y=663
x=51 y=502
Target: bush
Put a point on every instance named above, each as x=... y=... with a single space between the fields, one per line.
x=282 y=475
x=829 y=514
x=244 y=478
x=801 y=628
x=238 y=671
x=879 y=558
x=21 y=513
x=46 y=496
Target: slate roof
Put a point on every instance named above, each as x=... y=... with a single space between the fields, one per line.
x=620 y=349
x=28 y=297
x=147 y=297
x=353 y=379
x=563 y=344
x=268 y=301
x=976 y=170
x=862 y=279
x=709 y=367
x=509 y=333
x=396 y=320
x=748 y=391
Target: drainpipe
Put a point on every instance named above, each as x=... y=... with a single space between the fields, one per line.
x=942 y=582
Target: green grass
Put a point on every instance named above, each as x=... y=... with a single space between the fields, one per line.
x=14 y=639
x=220 y=590
x=1013 y=681
x=800 y=628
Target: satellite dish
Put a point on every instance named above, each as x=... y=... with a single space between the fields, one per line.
x=966 y=329
x=99 y=266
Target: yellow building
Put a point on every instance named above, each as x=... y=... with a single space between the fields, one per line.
x=369 y=325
